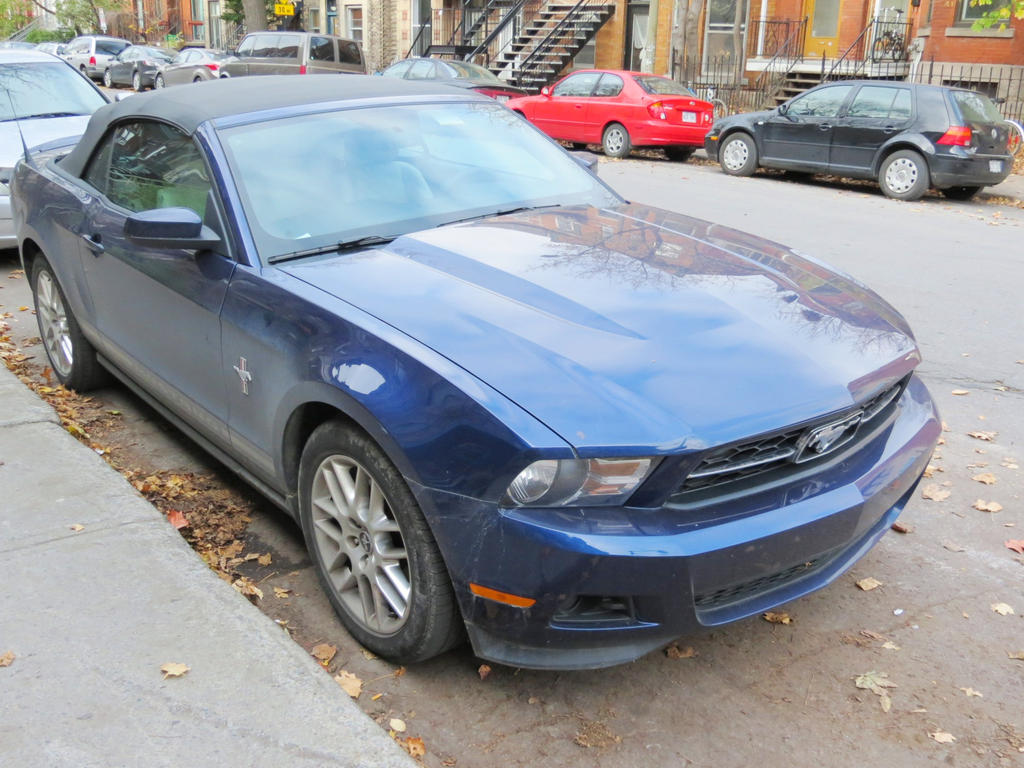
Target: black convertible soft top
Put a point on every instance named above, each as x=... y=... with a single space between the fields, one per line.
x=190 y=106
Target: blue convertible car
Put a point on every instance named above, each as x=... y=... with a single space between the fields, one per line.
x=500 y=400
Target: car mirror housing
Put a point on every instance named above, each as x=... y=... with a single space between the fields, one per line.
x=545 y=91
x=170 y=228
x=783 y=108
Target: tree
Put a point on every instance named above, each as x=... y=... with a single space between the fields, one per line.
x=1000 y=13
x=686 y=39
x=14 y=14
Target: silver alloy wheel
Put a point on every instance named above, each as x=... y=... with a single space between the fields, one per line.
x=901 y=175
x=615 y=139
x=159 y=81
x=136 y=82
x=107 y=80
x=53 y=320
x=735 y=154
x=361 y=546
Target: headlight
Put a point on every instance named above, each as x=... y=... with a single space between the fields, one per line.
x=577 y=482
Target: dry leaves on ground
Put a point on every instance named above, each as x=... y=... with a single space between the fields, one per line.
x=985 y=477
x=174 y=669
x=483 y=670
x=1002 y=609
x=7 y=659
x=1016 y=655
x=773 y=617
x=77 y=527
x=1017 y=545
x=414 y=746
x=349 y=683
x=942 y=737
x=323 y=653
x=247 y=587
x=594 y=734
x=934 y=492
x=987 y=437
x=960 y=392
x=281 y=593
x=675 y=652
x=869 y=583
x=877 y=683
x=902 y=527
x=397 y=725
x=969 y=692
x=987 y=506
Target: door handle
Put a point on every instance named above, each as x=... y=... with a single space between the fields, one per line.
x=889 y=129
x=92 y=242
x=825 y=127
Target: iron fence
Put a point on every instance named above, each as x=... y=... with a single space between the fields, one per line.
x=1004 y=84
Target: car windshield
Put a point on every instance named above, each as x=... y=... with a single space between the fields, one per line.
x=153 y=53
x=388 y=171
x=464 y=69
x=45 y=89
x=662 y=86
x=976 y=107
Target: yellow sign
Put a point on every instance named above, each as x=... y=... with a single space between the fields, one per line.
x=284 y=9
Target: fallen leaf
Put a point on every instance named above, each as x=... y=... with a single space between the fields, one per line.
x=264 y=560
x=873 y=635
x=414 y=746
x=22 y=309
x=987 y=506
x=931 y=469
x=174 y=669
x=323 y=653
x=397 y=725
x=247 y=587
x=985 y=477
x=1016 y=655
x=1002 y=609
x=776 y=618
x=7 y=659
x=960 y=392
x=869 y=583
x=349 y=683
x=969 y=692
x=1009 y=463
x=953 y=547
x=935 y=492
x=876 y=682
x=889 y=645
x=1017 y=545
x=77 y=527
x=377 y=696
x=281 y=593
x=675 y=652
x=942 y=737
x=483 y=670
x=988 y=437
x=399 y=672
x=368 y=655
x=902 y=527
x=177 y=518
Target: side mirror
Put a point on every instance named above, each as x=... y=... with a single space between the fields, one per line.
x=587 y=159
x=783 y=108
x=175 y=228
x=545 y=91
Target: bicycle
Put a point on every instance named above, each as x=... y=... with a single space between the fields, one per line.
x=892 y=43
x=718 y=106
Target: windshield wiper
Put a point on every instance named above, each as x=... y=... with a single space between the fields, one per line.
x=344 y=245
x=500 y=212
x=46 y=114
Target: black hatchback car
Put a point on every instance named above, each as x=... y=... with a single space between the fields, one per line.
x=910 y=137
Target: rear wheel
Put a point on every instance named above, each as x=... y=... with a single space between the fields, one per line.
x=374 y=553
x=679 y=154
x=738 y=155
x=71 y=356
x=107 y=80
x=904 y=176
x=159 y=81
x=197 y=79
x=136 y=81
x=616 y=142
x=960 y=193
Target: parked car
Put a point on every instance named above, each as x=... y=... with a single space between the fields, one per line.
x=192 y=65
x=294 y=53
x=16 y=45
x=55 y=49
x=909 y=137
x=137 y=66
x=90 y=54
x=500 y=400
x=457 y=73
x=620 y=110
x=41 y=99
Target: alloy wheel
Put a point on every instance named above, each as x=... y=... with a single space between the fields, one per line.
x=361 y=545
x=53 y=321
x=615 y=140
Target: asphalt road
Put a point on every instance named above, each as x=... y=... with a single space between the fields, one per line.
x=757 y=693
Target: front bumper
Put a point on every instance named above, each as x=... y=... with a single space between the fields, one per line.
x=613 y=584
x=960 y=168
x=711 y=142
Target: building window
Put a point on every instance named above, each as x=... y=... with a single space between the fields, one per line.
x=354 y=22
x=313 y=20
x=969 y=11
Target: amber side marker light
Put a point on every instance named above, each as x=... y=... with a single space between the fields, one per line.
x=501 y=597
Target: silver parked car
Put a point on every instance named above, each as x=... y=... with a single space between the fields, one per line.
x=44 y=99
x=192 y=65
x=294 y=53
x=90 y=54
x=137 y=66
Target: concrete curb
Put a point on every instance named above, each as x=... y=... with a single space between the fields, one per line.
x=91 y=615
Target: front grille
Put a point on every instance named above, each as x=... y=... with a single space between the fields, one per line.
x=786 y=450
x=746 y=589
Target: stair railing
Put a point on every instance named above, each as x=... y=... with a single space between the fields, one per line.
x=782 y=63
x=556 y=33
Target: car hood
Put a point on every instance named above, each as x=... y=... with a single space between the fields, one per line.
x=631 y=329
x=36 y=132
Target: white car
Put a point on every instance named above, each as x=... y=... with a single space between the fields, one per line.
x=91 y=54
x=43 y=99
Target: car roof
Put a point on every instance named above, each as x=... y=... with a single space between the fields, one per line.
x=25 y=56
x=188 y=108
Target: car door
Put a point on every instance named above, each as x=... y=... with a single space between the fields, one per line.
x=121 y=66
x=563 y=113
x=179 y=71
x=605 y=106
x=876 y=113
x=239 y=66
x=799 y=134
x=322 y=54
x=284 y=57
x=157 y=310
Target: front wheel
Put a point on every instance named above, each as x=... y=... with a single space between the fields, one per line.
x=616 y=142
x=159 y=81
x=738 y=155
x=373 y=551
x=679 y=154
x=71 y=356
x=136 y=81
x=960 y=193
x=107 y=79
x=904 y=176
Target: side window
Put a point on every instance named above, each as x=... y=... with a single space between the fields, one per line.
x=398 y=70
x=872 y=101
x=902 y=107
x=97 y=171
x=610 y=85
x=420 y=70
x=321 y=49
x=247 y=47
x=577 y=85
x=152 y=165
x=824 y=102
x=287 y=47
x=348 y=53
x=264 y=46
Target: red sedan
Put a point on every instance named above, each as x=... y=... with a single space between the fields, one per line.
x=620 y=110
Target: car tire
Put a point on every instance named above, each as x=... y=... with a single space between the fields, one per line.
x=341 y=472
x=615 y=141
x=960 y=193
x=158 y=81
x=70 y=355
x=197 y=79
x=738 y=155
x=107 y=80
x=904 y=175
x=136 y=81
x=577 y=146
x=679 y=154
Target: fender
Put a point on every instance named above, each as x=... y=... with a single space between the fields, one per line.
x=914 y=141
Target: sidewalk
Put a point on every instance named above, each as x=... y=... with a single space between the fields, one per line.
x=91 y=616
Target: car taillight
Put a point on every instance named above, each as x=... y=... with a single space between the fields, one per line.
x=496 y=93
x=212 y=67
x=92 y=61
x=302 y=69
x=956 y=136
x=657 y=110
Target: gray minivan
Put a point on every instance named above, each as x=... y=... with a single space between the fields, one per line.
x=294 y=53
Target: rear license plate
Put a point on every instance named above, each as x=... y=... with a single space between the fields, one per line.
x=995 y=166
x=689 y=117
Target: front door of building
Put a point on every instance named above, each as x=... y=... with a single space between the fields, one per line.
x=822 y=28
